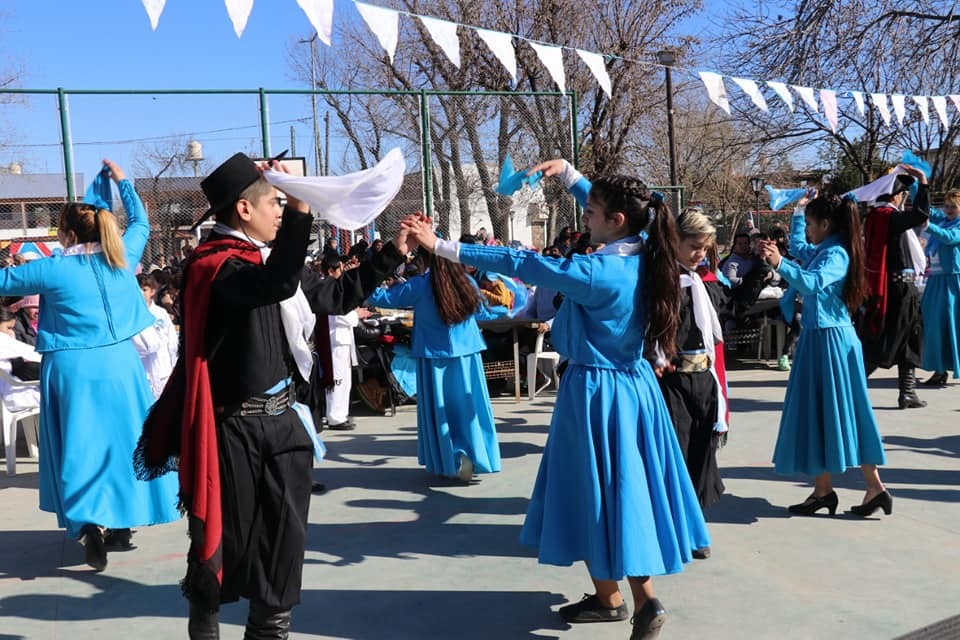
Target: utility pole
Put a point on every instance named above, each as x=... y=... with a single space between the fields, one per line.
x=318 y=167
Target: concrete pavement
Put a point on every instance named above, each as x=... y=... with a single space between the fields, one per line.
x=395 y=553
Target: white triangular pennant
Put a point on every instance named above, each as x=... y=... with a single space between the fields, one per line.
x=154 y=10
x=715 y=89
x=751 y=89
x=858 y=98
x=598 y=68
x=445 y=35
x=940 y=104
x=239 y=12
x=899 y=106
x=783 y=92
x=879 y=101
x=809 y=97
x=552 y=59
x=829 y=100
x=385 y=24
x=320 y=15
x=924 y=106
x=501 y=44
x=955 y=99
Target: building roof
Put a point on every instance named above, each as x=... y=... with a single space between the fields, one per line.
x=14 y=186
x=167 y=185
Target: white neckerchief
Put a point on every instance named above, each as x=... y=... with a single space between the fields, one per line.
x=83 y=249
x=295 y=312
x=705 y=317
x=629 y=246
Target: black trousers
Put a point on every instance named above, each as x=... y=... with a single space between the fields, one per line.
x=901 y=341
x=265 y=471
x=692 y=401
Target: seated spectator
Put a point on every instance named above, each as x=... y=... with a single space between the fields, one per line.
x=22 y=362
x=27 y=311
x=740 y=261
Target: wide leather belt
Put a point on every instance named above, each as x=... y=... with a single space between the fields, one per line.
x=272 y=404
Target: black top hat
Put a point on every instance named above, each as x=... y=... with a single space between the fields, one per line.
x=224 y=186
x=902 y=183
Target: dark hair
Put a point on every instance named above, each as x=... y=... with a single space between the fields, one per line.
x=844 y=215
x=741 y=234
x=330 y=261
x=147 y=280
x=661 y=285
x=455 y=295
x=6 y=315
x=469 y=238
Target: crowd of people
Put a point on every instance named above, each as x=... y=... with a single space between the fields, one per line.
x=200 y=388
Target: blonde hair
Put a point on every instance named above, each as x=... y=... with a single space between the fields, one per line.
x=694 y=224
x=90 y=224
x=952 y=197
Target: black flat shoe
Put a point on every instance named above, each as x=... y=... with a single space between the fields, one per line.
x=648 y=621
x=702 y=553
x=813 y=504
x=94 y=551
x=880 y=501
x=589 y=609
x=118 y=540
x=911 y=402
x=936 y=380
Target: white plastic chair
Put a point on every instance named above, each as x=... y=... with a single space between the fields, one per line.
x=533 y=362
x=9 y=419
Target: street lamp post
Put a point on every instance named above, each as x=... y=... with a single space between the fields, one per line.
x=756 y=183
x=667 y=58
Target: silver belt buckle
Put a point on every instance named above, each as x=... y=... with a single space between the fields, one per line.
x=276 y=404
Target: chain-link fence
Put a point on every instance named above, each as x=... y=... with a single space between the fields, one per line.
x=454 y=145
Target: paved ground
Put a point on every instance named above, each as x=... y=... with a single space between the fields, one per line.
x=394 y=553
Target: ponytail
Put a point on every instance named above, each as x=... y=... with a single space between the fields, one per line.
x=646 y=210
x=91 y=224
x=662 y=280
x=844 y=215
x=855 y=288
x=110 y=239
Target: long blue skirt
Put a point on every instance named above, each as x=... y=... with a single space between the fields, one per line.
x=93 y=403
x=454 y=417
x=613 y=489
x=827 y=422
x=941 y=324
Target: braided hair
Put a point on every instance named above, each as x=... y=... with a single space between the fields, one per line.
x=844 y=215
x=645 y=210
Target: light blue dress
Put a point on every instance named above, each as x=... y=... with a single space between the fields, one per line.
x=454 y=417
x=827 y=423
x=613 y=488
x=940 y=306
x=93 y=388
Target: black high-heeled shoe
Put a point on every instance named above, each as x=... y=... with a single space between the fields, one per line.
x=936 y=380
x=813 y=504
x=880 y=501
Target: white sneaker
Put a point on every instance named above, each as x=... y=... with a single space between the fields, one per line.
x=465 y=473
x=783 y=364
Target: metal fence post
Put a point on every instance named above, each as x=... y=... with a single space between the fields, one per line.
x=265 y=122
x=425 y=148
x=575 y=142
x=67 y=141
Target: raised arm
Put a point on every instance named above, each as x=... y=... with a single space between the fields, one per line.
x=799 y=247
x=138 y=226
x=572 y=179
x=832 y=268
x=336 y=296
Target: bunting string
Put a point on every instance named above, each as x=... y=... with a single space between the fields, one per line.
x=384 y=23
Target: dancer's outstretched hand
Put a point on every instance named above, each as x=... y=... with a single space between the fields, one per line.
x=116 y=173
x=549 y=167
x=420 y=227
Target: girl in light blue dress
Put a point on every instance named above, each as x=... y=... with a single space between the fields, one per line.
x=94 y=391
x=613 y=489
x=456 y=435
x=827 y=424
x=940 y=306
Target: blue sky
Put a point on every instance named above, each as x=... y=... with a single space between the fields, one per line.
x=108 y=44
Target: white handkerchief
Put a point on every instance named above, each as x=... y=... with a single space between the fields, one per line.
x=351 y=201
